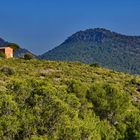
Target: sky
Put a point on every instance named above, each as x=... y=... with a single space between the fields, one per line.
x=40 y=25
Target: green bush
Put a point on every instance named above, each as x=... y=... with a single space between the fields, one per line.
x=8 y=70
x=14 y=46
x=2 y=55
x=72 y=102
x=109 y=102
x=95 y=65
x=28 y=56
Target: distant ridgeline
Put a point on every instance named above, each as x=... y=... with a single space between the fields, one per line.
x=19 y=52
x=108 y=49
x=3 y=43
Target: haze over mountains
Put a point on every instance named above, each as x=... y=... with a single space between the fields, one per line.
x=108 y=49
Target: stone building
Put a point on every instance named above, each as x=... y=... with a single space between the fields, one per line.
x=7 y=51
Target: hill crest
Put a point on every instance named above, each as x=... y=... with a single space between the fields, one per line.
x=109 y=49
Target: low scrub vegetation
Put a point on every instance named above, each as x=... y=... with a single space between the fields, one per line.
x=43 y=100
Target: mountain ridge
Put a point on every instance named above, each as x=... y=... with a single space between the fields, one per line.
x=109 y=49
x=3 y=42
x=100 y=32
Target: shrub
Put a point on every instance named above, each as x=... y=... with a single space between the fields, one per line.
x=95 y=65
x=14 y=46
x=28 y=56
x=8 y=71
x=86 y=104
x=108 y=101
x=2 y=55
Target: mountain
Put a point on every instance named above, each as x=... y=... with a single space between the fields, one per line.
x=19 y=51
x=3 y=43
x=44 y=100
x=107 y=48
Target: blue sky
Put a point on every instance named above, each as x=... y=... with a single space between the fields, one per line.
x=39 y=25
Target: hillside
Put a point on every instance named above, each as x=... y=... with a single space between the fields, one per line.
x=42 y=100
x=108 y=49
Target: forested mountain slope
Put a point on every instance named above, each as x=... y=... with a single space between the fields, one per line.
x=108 y=49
